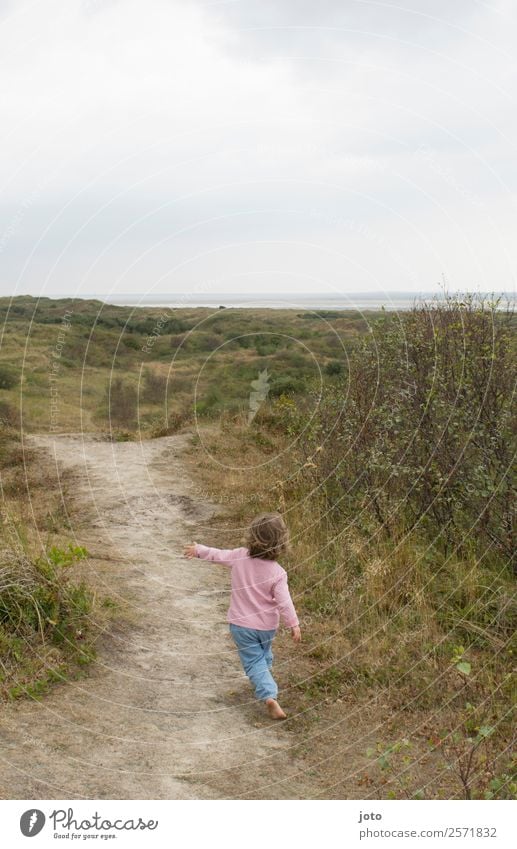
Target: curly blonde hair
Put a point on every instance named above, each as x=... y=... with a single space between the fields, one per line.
x=268 y=537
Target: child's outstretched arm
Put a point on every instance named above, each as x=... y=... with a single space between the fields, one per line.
x=217 y=555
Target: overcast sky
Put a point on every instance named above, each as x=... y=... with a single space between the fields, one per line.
x=290 y=147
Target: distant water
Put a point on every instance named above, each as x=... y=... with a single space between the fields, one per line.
x=358 y=301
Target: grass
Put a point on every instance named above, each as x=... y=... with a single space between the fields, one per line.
x=46 y=632
x=393 y=475
x=49 y=615
x=382 y=621
x=394 y=612
x=80 y=365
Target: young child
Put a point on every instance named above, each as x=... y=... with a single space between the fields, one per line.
x=260 y=597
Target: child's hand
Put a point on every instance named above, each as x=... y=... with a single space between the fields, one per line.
x=190 y=551
x=296 y=634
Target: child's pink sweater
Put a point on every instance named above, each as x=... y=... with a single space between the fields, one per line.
x=260 y=595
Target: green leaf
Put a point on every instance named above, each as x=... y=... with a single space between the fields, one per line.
x=464 y=667
x=485 y=731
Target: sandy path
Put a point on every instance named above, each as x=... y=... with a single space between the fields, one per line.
x=157 y=716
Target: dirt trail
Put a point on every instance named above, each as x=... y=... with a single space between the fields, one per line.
x=156 y=717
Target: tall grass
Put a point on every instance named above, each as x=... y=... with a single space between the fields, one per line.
x=47 y=622
x=400 y=495
x=44 y=620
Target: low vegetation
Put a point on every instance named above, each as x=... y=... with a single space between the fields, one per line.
x=387 y=440
x=398 y=485
x=48 y=618
x=82 y=365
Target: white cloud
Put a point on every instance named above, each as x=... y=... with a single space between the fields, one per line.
x=145 y=137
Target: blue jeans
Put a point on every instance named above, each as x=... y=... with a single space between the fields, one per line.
x=254 y=649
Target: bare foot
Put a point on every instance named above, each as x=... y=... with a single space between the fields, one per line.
x=274 y=709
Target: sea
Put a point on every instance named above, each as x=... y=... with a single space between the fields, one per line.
x=353 y=301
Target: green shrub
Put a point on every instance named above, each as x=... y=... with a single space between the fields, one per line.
x=210 y=403
x=426 y=433
x=334 y=367
x=45 y=618
x=155 y=387
x=286 y=385
x=9 y=376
